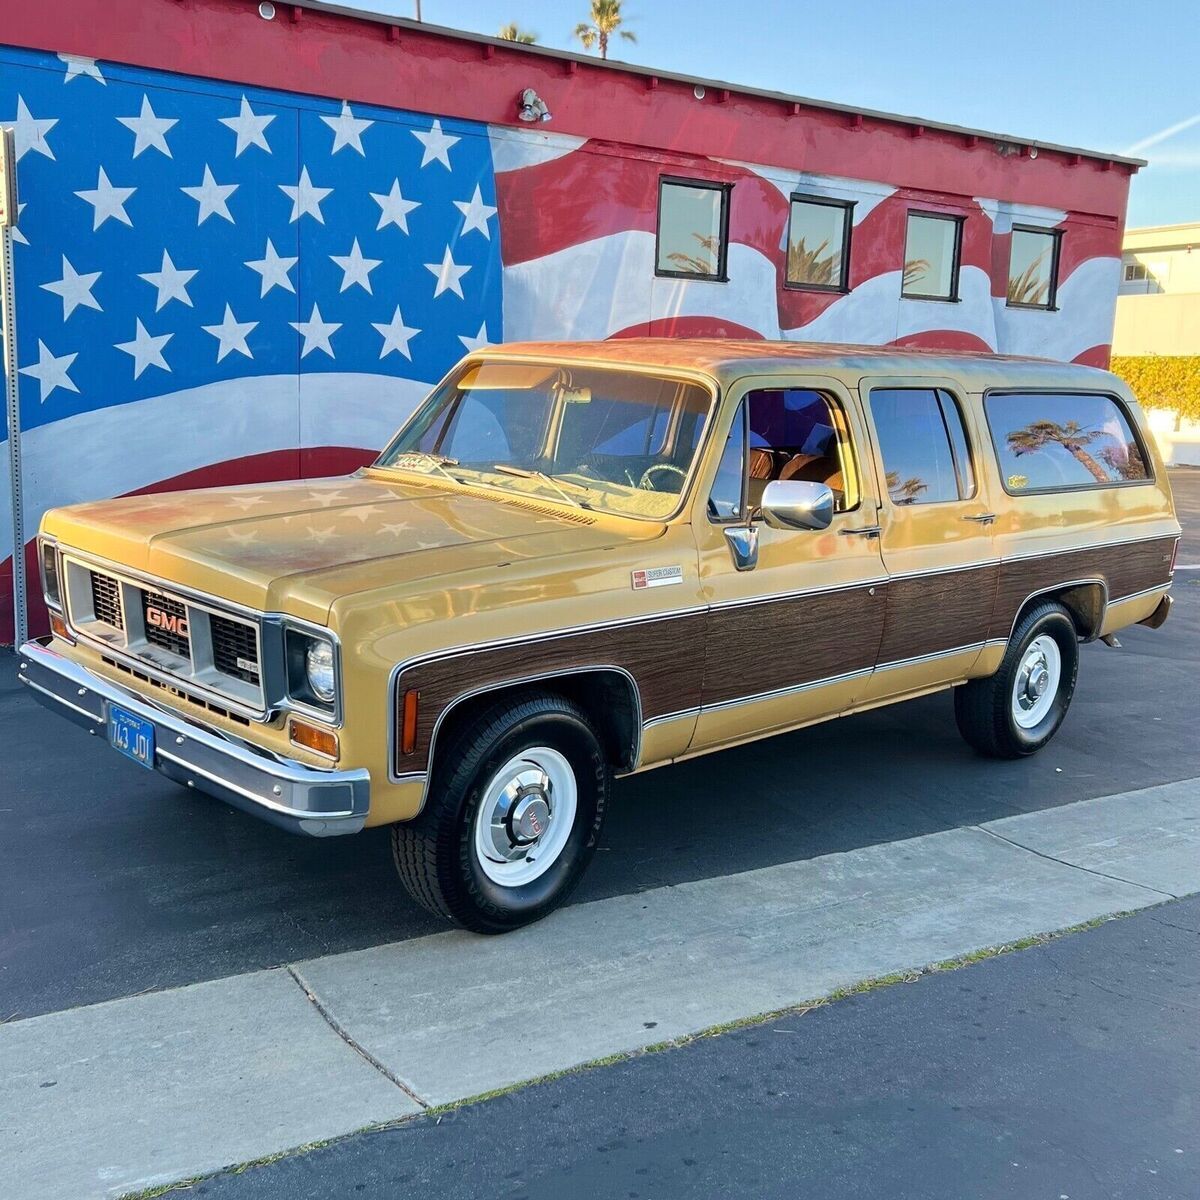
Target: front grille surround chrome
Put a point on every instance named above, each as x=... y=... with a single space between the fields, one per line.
x=186 y=663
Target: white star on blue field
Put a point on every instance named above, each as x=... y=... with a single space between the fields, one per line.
x=171 y=237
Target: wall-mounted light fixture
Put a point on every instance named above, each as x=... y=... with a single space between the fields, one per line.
x=531 y=107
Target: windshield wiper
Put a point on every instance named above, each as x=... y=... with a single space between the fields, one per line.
x=541 y=476
x=439 y=462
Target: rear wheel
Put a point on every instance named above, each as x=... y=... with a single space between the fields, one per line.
x=1019 y=709
x=514 y=813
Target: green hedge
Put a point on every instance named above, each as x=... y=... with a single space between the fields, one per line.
x=1163 y=381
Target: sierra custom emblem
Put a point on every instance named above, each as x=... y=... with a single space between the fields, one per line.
x=167 y=622
x=657 y=577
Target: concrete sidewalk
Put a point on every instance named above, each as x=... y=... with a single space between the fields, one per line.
x=120 y=1096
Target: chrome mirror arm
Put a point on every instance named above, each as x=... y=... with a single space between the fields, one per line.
x=743 y=545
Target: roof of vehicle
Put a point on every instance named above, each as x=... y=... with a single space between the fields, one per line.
x=727 y=359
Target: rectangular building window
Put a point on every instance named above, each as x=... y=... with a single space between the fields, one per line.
x=693 y=229
x=1135 y=272
x=932 y=248
x=1048 y=442
x=818 y=247
x=923 y=445
x=1033 y=268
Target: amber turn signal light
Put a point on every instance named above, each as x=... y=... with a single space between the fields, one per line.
x=58 y=627
x=408 y=723
x=313 y=737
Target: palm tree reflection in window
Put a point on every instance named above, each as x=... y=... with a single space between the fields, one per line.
x=821 y=267
x=1030 y=288
x=904 y=491
x=915 y=269
x=1038 y=436
x=693 y=262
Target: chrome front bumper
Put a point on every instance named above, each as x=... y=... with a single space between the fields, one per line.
x=286 y=793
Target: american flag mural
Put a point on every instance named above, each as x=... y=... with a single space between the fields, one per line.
x=219 y=283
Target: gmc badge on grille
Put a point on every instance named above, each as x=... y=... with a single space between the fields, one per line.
x=244 y=664
x=167 y=622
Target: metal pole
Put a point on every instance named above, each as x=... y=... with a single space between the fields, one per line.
x=8 y=314
x=418 y=10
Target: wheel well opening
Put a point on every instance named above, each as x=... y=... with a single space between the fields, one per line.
x=608 y=697
x=1084 y=601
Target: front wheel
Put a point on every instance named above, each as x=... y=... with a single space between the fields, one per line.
x=1019 y=709
x=513 y=816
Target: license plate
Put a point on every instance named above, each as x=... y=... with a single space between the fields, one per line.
x=132 y=735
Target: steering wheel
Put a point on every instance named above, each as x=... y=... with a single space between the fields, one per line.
x=645 y=481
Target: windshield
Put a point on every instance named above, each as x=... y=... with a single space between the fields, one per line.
x=611 y=440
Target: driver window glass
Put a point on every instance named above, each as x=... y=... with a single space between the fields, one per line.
x=725 y=499
x=797 y=433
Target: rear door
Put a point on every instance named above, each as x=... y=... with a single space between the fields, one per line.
x=935 y=533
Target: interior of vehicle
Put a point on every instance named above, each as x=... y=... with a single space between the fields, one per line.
x=794 y=435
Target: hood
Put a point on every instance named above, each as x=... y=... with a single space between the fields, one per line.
x=298 y=546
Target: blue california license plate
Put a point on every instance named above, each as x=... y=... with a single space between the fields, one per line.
x=132 y=735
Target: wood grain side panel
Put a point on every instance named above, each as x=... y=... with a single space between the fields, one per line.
x=665 y=658
x=757 y=648
x=1126 y=569
x=930 y=613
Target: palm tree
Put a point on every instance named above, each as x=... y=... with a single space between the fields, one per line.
x=904 y=491
x=606 y=17
x=821 y=266
x=510 y=33
x=1028 y=288
x=1071 y=436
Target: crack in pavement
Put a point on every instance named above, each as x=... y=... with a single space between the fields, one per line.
x=1062 y=862
x=358 y=1049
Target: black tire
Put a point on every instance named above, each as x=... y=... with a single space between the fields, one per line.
x=983 y=708
x=435 y=853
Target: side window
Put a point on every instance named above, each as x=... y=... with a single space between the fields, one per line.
x=1033 y=268
x=1063 y=441
x=725 y=499
x=923 y=445
x=932 y=248
x=798 y=433
x=818 y=247
x=693 y=229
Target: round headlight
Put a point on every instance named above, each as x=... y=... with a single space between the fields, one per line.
x=318 y=665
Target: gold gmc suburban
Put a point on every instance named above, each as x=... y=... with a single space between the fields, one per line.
x=576 y=561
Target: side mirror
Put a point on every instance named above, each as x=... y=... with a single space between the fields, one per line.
x=797 y=504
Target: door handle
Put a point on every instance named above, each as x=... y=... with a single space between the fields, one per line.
x=868 y=531
x=981 y=518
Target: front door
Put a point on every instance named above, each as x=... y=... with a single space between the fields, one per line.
x=796 y=621
x=935 y=534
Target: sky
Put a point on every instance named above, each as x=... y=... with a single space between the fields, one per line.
x=1110 y=75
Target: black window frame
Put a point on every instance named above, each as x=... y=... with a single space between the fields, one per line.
x=709 y=185
x=941 y=397
x=1056 y=235
x=956 y=263
x=843 y=285
x=1123 y=408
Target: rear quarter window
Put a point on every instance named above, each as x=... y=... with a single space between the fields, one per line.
x=1058 y=441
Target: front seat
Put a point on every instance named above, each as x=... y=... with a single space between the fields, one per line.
x=817 y=468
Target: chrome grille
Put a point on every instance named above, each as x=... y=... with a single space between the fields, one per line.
x=235 y=648
x=106 y=600
x=171 y=633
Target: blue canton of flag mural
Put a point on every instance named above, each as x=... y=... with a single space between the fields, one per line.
x=224 y=284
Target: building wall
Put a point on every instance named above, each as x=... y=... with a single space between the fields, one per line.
x=416 y=236
x=1158 y=312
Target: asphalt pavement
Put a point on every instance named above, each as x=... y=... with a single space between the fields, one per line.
x=1062 y=1072
x=113 y=881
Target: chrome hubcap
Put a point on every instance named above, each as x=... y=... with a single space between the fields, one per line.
x=525 y=817
x=1037 y=681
